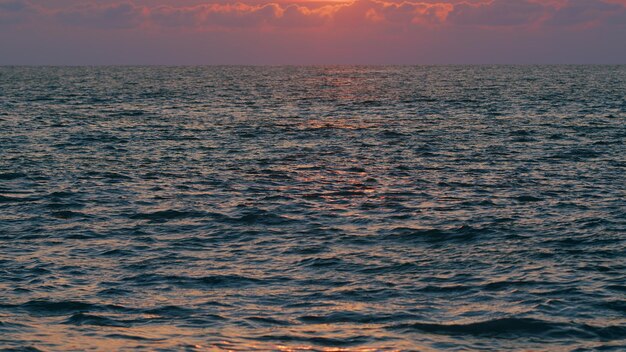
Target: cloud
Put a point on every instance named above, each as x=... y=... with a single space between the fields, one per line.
x=302 y=16
x=168 y=16
x=114 y=16
x=359 y=14
x=585 y=12
x=16 y=11
x=394 y=13
x=13 y=6
x=211 y=16
x=498 y=13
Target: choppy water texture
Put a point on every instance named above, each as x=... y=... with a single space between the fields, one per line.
x=313 y=208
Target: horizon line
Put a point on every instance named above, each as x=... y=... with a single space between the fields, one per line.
x=312 y=65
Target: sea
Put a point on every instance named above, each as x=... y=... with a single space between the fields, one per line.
x=313 y=208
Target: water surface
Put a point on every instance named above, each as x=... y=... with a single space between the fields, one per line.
x=313 y=208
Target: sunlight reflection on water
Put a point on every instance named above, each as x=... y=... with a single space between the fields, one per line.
x=312 y=208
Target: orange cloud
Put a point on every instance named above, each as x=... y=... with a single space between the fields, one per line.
x=390 y=15
x=355 y=14
x=239 y=15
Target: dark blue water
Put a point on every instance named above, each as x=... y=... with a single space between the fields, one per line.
x=313 y=208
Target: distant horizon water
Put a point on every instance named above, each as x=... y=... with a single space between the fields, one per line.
x=315 y=65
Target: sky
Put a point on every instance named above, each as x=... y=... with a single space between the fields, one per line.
x=301 y=32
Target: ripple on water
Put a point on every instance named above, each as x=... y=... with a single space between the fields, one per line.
x=520 y=328
x=312 y=208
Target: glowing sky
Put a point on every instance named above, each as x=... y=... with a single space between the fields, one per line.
x=311 y=32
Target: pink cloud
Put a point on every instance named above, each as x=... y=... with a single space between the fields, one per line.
x=499 y=13
x=357 y=14
x=239 y=15
x=393 y=13
x=274 y=15
x=586 y=12
x=16 y=11
x=114 y=16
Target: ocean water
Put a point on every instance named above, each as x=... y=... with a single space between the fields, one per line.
x=313 y=208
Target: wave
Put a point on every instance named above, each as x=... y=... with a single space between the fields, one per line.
x=528 y=199
x=256 y=216
x=68 y=214
x=268 y=321
x=166 y=215
x=319 y=341
x=394 y=268
x=211 y=281
x=133 y=337
x=8 y=199
x=321 y=262
x=21 y=349
x=308 y=215
x=262 y=217
x=170 y=311
x=462 y=233
x=80 y=319
x=577 y=154
x=12 y=175
x=62 y=194
x=519 y=327
x=44 y=307
x=354 y=317
x=6 y=326
x=615 y=305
